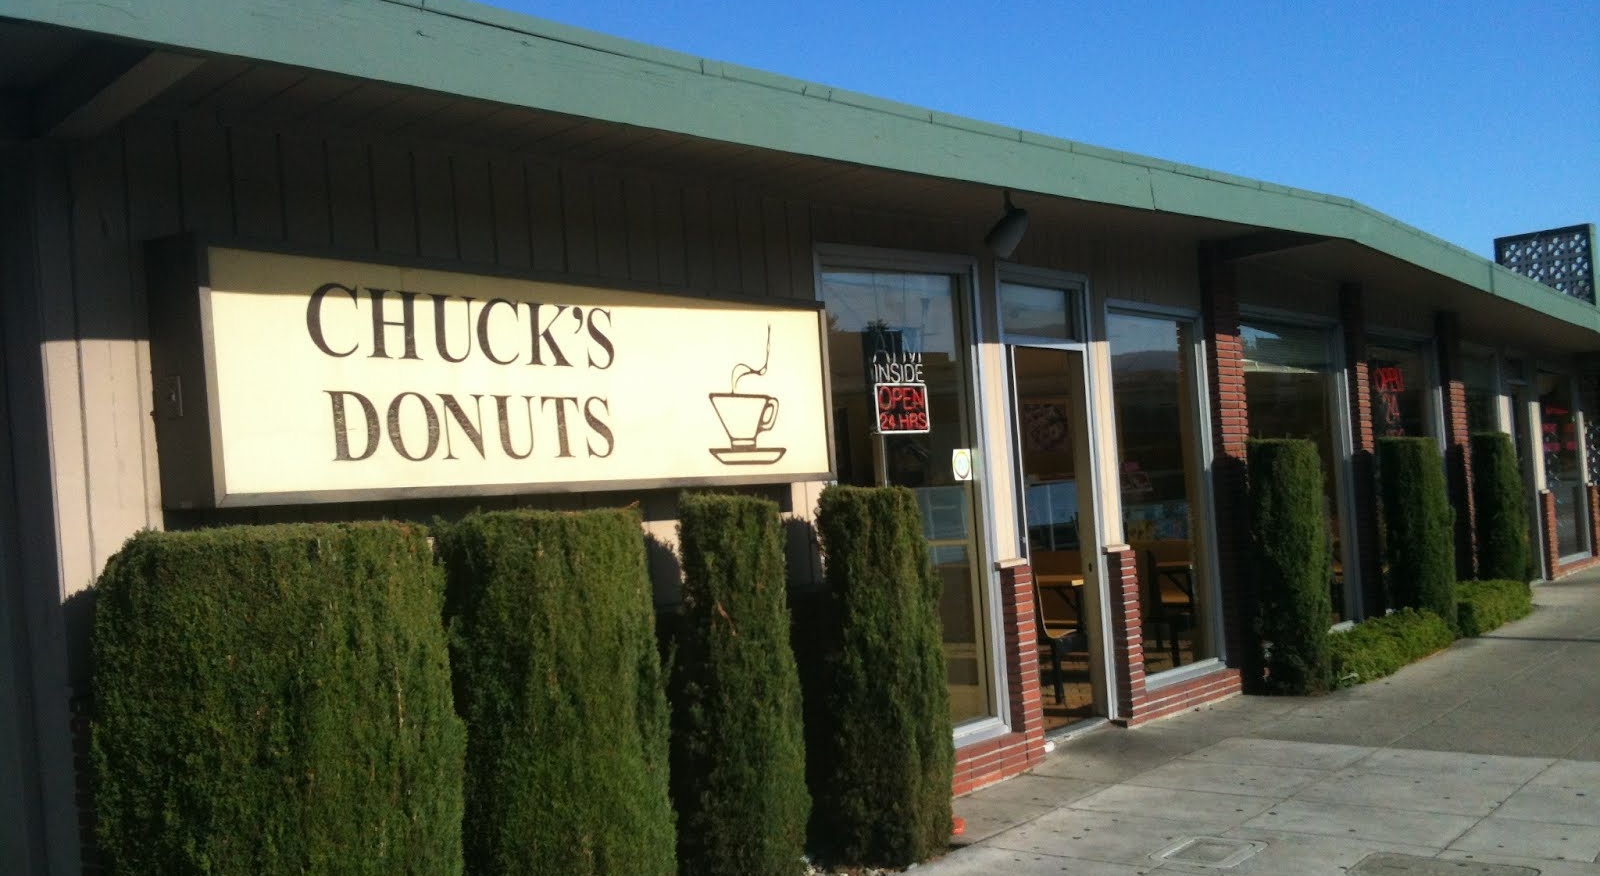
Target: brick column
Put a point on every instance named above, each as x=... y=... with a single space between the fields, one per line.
x=1457 y=444
x=1363 y=444
x=1594 y=520
x=1004 y=756
x=1552 y=554
x=1230 y=427
x=1125 y=618
x=1022 y=654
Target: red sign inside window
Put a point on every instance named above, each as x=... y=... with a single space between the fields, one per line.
x=902 y=407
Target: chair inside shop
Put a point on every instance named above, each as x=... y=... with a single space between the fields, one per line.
x=1059 y=635
x=1166 y=576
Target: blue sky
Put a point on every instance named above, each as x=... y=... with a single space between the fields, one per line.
x=1467 y=119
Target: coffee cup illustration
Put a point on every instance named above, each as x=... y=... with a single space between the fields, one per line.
x=744 y=416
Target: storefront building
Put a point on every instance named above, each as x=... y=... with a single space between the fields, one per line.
x=337 y=261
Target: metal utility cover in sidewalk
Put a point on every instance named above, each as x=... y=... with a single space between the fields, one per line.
x=1390 y=864
x=1209 y=851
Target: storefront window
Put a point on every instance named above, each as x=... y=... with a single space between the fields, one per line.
x=1398 y=380
x=1563 y=463
x=1159 y=458
x=903 y=328
x=1289 y=381
x=1477 y=379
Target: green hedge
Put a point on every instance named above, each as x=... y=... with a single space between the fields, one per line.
x=1500 y=506
x=1382 y=645
x=275 y=700
x=1291 y=565
x=738 y=757
x=1485 y=605
x=559 y=681
x=880 y=762
x=1419 y=546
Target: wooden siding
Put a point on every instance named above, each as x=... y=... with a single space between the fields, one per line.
x=378 y=197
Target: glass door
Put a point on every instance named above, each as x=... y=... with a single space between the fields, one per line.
x=1055 y=466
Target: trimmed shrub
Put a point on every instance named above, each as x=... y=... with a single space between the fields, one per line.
x=1420 y=542
x=1486 y=605
x=559 y=681
x=1380 y=646
x=275 y=700
x=1289 y=549
x=879 y=759
x=1501 y=509
x=738 y=758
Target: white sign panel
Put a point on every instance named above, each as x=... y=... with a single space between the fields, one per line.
x=333 y=380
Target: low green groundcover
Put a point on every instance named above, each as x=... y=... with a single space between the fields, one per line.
x=1380 y=646
x=1485 y=605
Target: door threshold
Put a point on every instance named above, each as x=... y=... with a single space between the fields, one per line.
x=1073 y=731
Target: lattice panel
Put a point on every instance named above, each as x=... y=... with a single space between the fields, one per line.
x=1562 y=258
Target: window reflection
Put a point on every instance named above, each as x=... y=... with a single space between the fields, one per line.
x=1397 y=381
x=1159 y=461
x=914 y=316
x=1563 y=463
x=1288 y=379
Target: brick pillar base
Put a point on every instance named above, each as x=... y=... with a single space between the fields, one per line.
x=1138 y=701
x=1004 y=756
x=1547 y=512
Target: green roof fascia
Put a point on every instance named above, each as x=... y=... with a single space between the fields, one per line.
x=475 y=51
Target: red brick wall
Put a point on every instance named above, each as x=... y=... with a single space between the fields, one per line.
x=1552 y=555
x=1548 y=501
x=1138 y=702
x=1230 y=428
x=1594 y=518
x=1002 y=757
x=1127 y=636
x=1363 y=486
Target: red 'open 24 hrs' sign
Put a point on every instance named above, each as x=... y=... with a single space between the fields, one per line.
x=902 y=407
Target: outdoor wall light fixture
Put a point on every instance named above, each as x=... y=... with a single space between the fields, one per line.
x=1003 y=238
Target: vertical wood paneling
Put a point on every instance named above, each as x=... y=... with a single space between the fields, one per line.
x=775 y=248
x=150 y=157
x=547 y=233
x=350 y=198
x=509 y=204
x=475 y=213
x=113 y=409
x=644 y=261
x=802 y=283
x=577 y=209
x=207 y=192
x=60 y=442
x=671 y=247
x=257 y=184
x=435 y=205
x=393 y=201
x=150 y=150
x=700 y=254
x=725 y=240
x=307 y=217
x=752 y=245
x=610 y=226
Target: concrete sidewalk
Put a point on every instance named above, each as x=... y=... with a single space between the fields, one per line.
x=1483 y=760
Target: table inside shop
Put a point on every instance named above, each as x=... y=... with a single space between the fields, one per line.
x=1068 y=585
